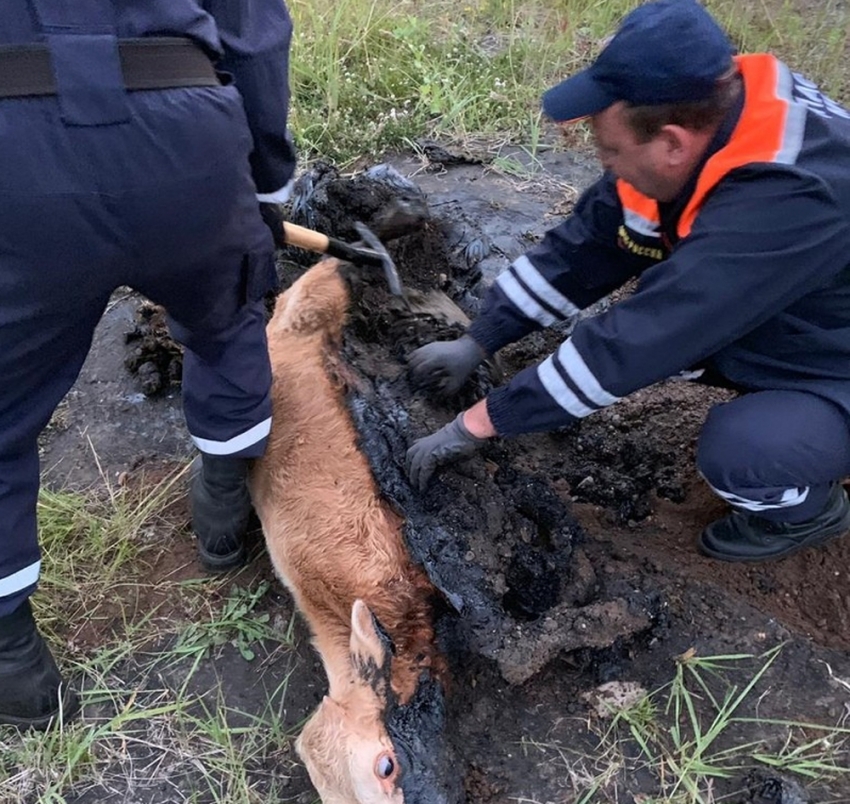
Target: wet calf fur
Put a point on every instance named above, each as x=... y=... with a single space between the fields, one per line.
x=338 y=547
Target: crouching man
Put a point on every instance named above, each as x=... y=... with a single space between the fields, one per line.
x=726 y=192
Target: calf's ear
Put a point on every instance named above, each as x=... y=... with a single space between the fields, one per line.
x=367 y=644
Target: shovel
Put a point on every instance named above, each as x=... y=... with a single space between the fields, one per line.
x=373 y=253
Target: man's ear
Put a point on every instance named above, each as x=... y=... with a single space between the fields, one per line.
x=678 y=142
x=684 y=147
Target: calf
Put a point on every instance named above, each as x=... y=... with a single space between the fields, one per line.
x=339 y=548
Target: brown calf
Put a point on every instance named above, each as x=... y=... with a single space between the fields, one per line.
x=339 y=548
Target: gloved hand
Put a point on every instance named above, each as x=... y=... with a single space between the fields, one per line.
x=273 y=218
x=448 y=444
x=446 y=365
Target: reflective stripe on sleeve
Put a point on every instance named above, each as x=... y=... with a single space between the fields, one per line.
x=533 y=295
x=280 y=196
x=586 y=396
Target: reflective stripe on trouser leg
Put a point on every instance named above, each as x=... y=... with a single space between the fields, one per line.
x=19 y=554
x=226 y=398
x=772 y=500
x=775 y=454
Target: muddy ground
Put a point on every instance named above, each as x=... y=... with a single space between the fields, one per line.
x=569 y=556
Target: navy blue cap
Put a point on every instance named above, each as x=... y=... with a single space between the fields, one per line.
x=668 y=51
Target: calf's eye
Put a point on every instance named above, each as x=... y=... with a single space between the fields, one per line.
x=384 y=766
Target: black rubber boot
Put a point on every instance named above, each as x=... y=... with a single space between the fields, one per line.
x=746 y=537
x=32 y=692
x=221 y=509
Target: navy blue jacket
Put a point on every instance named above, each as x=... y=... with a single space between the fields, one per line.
x=746 y=274
x=248 y=38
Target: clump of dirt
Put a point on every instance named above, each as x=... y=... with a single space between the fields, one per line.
x=380 y=197
x=442 y=251
x=154 y=358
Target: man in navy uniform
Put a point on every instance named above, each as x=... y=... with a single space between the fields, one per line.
x=139 y=140
x=726 y=192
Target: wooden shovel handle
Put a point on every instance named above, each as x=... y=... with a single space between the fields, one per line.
x=305 y=238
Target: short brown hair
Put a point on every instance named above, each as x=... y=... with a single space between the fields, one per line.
x=647 y=121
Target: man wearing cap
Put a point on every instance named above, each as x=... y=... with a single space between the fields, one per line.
x=726 y=193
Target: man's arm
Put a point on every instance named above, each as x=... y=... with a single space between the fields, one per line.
x=255 y=36
x=575 y=265
x=764 y=239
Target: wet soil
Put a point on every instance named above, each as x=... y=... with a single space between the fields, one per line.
x=567 y=560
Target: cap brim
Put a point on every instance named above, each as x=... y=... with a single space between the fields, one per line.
x=576 y=98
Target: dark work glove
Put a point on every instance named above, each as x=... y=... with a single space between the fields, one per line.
x=273 y=218
x=448 y=444
x=445 y=365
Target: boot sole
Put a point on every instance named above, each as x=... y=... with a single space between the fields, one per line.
x=66 y=713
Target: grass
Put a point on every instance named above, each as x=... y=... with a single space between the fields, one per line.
x=134 y=640
x=674 y=735
x=238 y=766
x=96 y=548
x=234 y=622
x=373 y=75
x=194 y=749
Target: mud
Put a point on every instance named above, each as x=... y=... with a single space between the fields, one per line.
x=498 y=542
x=155 y=359
x=566 y=560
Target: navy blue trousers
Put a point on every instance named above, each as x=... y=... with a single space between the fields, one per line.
x=775 y=454
x=164 y=203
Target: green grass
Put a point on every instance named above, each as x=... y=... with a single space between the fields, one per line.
x=692 y=732
x=95 y=547
x=373 y=75
x=234 y=621
x=132 y=641
x=239 y=764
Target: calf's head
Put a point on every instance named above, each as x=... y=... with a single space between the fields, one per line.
x=345 y=745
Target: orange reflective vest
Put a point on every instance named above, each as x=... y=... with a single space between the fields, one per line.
x=769 y=130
